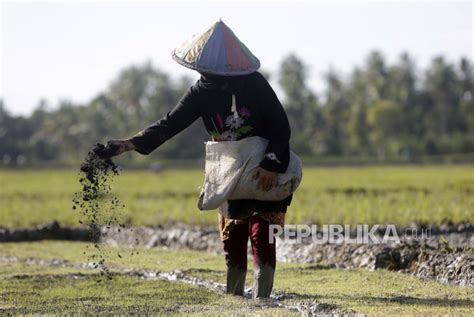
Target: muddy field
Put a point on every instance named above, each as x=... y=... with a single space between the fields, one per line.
x=289 y=301
x=48 y=268
x=123 y=259
x=445 y=255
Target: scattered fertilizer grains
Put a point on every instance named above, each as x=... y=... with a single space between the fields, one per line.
x=98 y=207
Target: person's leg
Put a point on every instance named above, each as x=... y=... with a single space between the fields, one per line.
x=235 y=251
x=264 y=257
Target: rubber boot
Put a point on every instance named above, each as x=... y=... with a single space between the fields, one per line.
x=235 y=281
x=263 y=284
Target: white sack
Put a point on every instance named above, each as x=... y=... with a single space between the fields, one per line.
x=229 y=170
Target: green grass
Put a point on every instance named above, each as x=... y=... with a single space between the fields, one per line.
x=158 y=259
x=379 y=292
x=398 y=195
x=31 y=289
x=41 y=294
x=376 y=293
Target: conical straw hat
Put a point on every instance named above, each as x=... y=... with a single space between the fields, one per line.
x=216 y=51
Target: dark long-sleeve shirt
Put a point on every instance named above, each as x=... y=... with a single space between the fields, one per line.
x=259 y=113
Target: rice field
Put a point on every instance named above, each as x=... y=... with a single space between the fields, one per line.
x=344 y=195
x=51 y=277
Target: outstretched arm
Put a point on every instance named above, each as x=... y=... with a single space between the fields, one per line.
x=150 y=138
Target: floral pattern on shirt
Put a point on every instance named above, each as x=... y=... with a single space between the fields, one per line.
x=233 y=128
x=234 y=122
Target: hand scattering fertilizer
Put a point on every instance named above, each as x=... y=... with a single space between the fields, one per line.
x=98 y=207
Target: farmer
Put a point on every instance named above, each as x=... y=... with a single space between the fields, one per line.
x=235 y=102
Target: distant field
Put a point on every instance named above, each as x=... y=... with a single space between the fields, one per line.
x=349 y=195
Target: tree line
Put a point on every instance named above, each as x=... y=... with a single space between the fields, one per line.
x=378 y=110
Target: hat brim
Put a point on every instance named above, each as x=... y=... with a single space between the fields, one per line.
x=213 y=71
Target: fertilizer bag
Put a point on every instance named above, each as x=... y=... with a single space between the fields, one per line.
x=229 y=170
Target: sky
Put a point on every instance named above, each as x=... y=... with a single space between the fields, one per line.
x=72 y=51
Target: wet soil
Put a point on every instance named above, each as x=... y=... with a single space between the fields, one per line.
x=302 y=303
x=446 y=255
